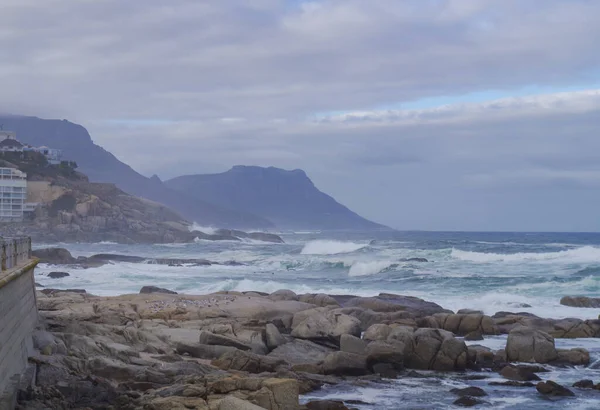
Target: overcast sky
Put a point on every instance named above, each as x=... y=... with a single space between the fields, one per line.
x=420 y=114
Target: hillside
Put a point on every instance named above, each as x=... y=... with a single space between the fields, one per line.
x=288 y=198
x=102 y=166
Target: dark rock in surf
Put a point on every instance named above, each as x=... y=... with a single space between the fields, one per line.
x=50 y=291
x=550 y=388
x=326 y=405
x=512 y=383
x=468 y=401
x=469 y=391
x=518 y=374
x=54 y=256
x=154 y=289
x=584 y=384
x=58 y=275
x=580 y=301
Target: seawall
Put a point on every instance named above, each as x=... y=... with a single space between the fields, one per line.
x=18 y=317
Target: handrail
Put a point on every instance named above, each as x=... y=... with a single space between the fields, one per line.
x=15 y=252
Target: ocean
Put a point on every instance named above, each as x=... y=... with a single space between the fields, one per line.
x=492 y=272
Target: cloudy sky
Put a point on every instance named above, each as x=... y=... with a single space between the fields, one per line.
x=420 y=114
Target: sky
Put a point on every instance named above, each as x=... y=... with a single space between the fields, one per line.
x=419 y=114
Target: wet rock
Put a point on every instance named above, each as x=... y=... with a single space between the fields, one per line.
x=529 y=345
x=273 y=337
x=248 y=362
x=518 y=374
x=327 y=327
x=512 y=383
x=469 y=391
x=580 y=301
x=345 y=364
x=352 y=344
x=385 y=370
x=463 y=324
x=154 y=289
x=50 y=291
x=467 y=401
x=58 y=275
x=265 y=237
x=54 y=256
x=575 y=357
x=326 y=405
x=422 y=260
x=469 y=312
x=550 y=388
x=584 y=384
x=474 y=336
x=387 y=302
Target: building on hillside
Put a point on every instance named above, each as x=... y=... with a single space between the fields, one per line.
x=13 y=192
x=54 y=156
x=10 y=135
x=11 y=145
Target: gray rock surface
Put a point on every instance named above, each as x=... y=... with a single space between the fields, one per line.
x=529 y=345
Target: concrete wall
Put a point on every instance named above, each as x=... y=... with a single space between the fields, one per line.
x=18 y=318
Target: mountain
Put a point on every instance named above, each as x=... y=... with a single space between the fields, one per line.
x=102 y=166
x=287 y=198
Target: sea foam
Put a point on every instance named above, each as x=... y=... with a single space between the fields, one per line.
x=369 y=268
x=331 y=247
x=582 y=254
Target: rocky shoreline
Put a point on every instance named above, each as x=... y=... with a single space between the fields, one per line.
x=252 y=350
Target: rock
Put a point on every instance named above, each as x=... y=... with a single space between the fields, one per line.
x=248 y=362
x=574 y=357
x=233 y=403
x=265 y=237
x=277 y=394
x=385 y=352
x=273 y=336
x=550 y=388
x=481 y=356
x=463 y=324
x=518 y=374
x=474 y=336
x=58 y=275
x=512 y=383
x=209 y=338
x=469 y=312
x=580 y=301
x=50 y=291
x=283 y=294
x=467 y=401
x=54 y=256
x=154 y=289
x=529 y=345
x=385 y=370
x=387 y=302
x=584 y=384
x=300 y=351
x=320 y=299
x=377 y=332
x=326 y=405
x=436 y=349
x=327 y=327
x=422 y=260
x=202 y=351
x=469 y=391
x=345 y=364
x=352 y=344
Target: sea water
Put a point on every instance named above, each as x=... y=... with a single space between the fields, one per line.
x=519 y=272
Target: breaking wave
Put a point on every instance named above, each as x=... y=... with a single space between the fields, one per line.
x=370 y=268
x=331 y=247
x=583 y=254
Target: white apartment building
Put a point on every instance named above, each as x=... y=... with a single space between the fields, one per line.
x=13 y=192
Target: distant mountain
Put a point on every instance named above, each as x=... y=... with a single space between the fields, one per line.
x=287 y=198
x=102 y=166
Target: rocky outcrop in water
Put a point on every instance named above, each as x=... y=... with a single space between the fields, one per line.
x=580 y=301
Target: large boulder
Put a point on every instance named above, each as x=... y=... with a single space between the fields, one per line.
x=436 y=349
x=463 y=324
x=54 y=256
x=319 y=299
x=391 y=353
x=273 y=336
x=377 y=332
x=387 y=302
x=580 y=301
x=345 y=364
x=233 y=403
x=283 y=294
x=202 y=351
x=248 y=362
x=574 y=357
x=529 y=345
x=58 y=275
x=550 y=388
x=327 y=327
x=300 y=351
x=209 y=338
x=352 y=344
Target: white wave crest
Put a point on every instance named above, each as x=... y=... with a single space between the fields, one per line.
x=209 y=230
x=369 y=268
x=331 y=247
x=583 y=254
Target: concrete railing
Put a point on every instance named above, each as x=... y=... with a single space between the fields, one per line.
x=18 y=318
x=15 y=252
